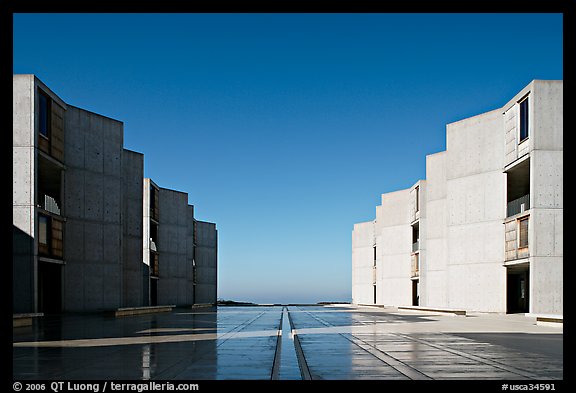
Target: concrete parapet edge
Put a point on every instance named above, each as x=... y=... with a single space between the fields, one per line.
x=548 y=319
x=202 y=305
x=129 y=311
x=435 y=310
x=24 y=319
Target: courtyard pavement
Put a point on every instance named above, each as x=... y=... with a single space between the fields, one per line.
x=295 y=342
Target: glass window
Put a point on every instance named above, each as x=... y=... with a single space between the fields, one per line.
x=524 y=120
x=43 y=230
x=523 y=233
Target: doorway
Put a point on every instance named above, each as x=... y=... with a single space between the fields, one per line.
x=153 y=291
x=49 y=287
x=517 y=290
x=415 y=294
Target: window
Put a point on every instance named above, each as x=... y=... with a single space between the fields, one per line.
x=374 y=255
x=43 y=225
x=44 y=124
x=523 y=232
x=194 y=273
x=524 y=120
x=417 y=189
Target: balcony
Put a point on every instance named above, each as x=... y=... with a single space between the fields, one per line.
x=416 y=246
x=373 y=275
x=50 y=205
x=518 y=205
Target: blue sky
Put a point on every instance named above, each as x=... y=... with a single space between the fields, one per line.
x=284 y=129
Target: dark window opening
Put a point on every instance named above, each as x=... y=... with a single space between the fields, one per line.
x=417 y=189
x=374 y=255
x=518 y=188
x=44 y=115
x=518 y=290
x=49 y=287
x=415 y=237
x=153 y=292
x=154 y=234
x=524 y=120
x=49 y=192
x=415 y=293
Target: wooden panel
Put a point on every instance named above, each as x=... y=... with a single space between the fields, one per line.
x=510 y=239
x=44 y=144
x=156 y=214
x=57 y=238
x=57 y=132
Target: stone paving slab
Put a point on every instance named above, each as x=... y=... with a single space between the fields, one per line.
x=335 y=342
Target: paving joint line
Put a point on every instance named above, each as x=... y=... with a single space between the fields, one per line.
x=476 y=358
x=278 y=352
x=403 y=368
x=231 y=333
x=302 y=363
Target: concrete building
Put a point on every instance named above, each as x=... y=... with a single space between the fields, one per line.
x=205 y=262
x=486 y=224
x=177 y=269
x=77 y=211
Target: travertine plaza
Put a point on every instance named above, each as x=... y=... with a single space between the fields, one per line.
x=484 y=231
x=90 y=233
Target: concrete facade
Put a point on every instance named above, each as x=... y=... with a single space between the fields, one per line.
x=205 y=262
x=490 y=225
x=180 y=253
x=175 y=264
x=78 y=223
x=93 y=195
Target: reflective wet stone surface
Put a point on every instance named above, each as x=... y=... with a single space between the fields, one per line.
x=287 y=343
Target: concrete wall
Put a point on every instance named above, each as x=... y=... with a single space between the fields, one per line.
x=23 y=195
x=476 y=203
x=434 y=282
x=174 y=286
x=206 y=262
x=393 y=249
x=363 y=242
x=546 y=238
x=93 y=205
x=132 y=229
x=546 y=234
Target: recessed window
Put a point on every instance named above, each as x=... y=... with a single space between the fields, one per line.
x=43 y=222
x=524 y=133
x=417 y=189
x=523 y=232
x=44 y=115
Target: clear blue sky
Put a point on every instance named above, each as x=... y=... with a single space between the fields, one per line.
x=284 y=129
